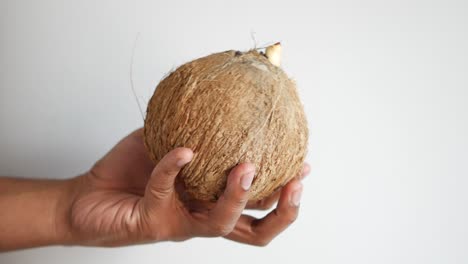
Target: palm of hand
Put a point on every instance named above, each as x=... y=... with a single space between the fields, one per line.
x=114 y=188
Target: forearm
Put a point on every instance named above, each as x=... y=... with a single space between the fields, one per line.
x=33 y=212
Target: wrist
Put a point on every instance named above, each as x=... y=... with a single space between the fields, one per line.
x=68 y=191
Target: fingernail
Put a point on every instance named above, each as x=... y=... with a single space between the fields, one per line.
x=305 y=172
x=296 y=197
x=180 y=163
x=246 y=180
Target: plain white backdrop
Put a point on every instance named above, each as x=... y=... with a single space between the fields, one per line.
x=384 y=85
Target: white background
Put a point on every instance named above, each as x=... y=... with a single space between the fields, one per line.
x=384 y=85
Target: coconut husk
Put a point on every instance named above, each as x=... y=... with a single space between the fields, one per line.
x=229 y=108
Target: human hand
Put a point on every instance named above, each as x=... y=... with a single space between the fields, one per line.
x=126 y=199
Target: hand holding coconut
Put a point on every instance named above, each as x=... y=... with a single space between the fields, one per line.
x=226 y=132
x=124 y=199
x=128 y=200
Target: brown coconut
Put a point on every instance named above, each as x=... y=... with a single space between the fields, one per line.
x=229 y=107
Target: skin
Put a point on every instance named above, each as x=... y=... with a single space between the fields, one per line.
x=125 y=199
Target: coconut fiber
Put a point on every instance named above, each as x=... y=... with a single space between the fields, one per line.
x=229 y=107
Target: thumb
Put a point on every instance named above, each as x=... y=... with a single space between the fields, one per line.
x=161 y=183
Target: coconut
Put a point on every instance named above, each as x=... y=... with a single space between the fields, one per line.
x=229 y=107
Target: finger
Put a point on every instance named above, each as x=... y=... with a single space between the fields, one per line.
x=305 y=171
x=223 y=217
x=261 y=231
x=161 y=183
x=264 y=204
x=268 y=202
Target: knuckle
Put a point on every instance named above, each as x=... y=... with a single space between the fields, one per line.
x=286 y=216
x=290 y=218
x=262 y=242
x=239 y=202
x=165 y=170
x=236 y=202
x=160 y=192
x=221 y=230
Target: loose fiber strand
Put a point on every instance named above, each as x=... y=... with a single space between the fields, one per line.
x=131 y=79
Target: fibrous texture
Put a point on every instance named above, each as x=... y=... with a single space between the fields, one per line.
x=229 y=107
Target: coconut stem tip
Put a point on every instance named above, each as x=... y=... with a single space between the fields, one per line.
x=273 y=53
